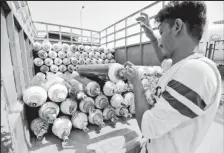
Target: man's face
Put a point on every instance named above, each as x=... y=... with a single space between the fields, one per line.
x=167 y=41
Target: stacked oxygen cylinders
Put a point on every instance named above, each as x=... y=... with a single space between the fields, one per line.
x=63 y=58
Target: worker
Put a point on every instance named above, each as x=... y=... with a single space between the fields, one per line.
x=188 y=93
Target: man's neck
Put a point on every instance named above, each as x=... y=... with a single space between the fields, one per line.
x=185 y=49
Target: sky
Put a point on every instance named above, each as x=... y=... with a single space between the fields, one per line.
x=97 y=15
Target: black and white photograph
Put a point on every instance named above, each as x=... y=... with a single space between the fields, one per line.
x=112 y=76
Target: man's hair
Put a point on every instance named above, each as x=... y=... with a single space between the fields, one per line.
x=192 y=13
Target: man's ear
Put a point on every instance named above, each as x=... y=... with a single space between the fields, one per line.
x=177 y=27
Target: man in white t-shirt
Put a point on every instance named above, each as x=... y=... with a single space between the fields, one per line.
x=189 y=92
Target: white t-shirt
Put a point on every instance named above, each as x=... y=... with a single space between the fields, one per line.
x=187 y=98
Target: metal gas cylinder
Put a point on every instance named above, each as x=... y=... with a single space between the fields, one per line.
x=61 y=54
x=129 y=98
x=57 y=47
x=71 y=68
x=80 y=48
x=94 y=61
x=92 y=87
x=77 y=54
x=80 y=120
x=111 y=50
x=109 y=88
x=85 y=55
x=66 y=61
x=81 y=61
x=74 y=61
x=69 y=106
x=101 y=102
x=88 y=61
x=117 y=100
x=86 y=105
x=87 y=48
x=44 y=68
x=38 y=61
x=121 y=86
x=158 y=70
x=112 y=61
x=101 y=49
x=42 y=54
x=62 y=68
x=103 y=56
x=116 y=72
x=132 y=109
x=145 y=83
x=141 y=72
x=96 y=117
x=69 y=54
x=110 y=56
x=97 y=55
x=37 y=46
x=149 y=71
x=46 y=45
x=52 y=54
x=65 y=47
x=54 y=68
x=61 y=128
x=76 y=88
x=35 y=95
x=122 y=111
x=91 y=55
x=57 y=61
x=57 y=92
x=100 y=61
x=60 y=74
x=39 y=127
x=106 y=61
x=73 y=48
x=49 y=111
x=149 y=97
x=48 y=62
x=110 y=114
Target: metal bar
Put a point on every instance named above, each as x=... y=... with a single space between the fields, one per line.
x=114 y=35
x=66 y=41
x=71 y=34
x=106 y=37
x=63 y=26
x=47 y=31
x=213 y=50
x=60 y=33
x=126 y=53
x=141 y=49
x=125 y=37
x=91 y=37
x=148 y=6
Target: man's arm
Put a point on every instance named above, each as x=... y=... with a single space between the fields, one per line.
x=143 y=20
x=141 y=104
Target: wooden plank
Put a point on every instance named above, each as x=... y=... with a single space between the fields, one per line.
x=6 y=65
x=19 y=58
x=29 y=58
x=24 y=57
x=12 y=44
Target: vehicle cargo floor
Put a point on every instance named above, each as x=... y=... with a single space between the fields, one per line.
x=124 y=136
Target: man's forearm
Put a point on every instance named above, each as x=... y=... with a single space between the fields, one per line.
x=141 y=104
x=158 y=51
x=155 y=45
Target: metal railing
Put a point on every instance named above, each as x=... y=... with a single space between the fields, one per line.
x=126 y=27
x=67 y=36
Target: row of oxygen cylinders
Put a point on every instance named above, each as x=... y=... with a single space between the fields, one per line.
x=80 y=98
x=62 y=57
x=83 y=100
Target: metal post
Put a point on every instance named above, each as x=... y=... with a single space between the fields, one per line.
x=126 y=53
x=114 y=35
x=106 y=37
x=81 y=24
